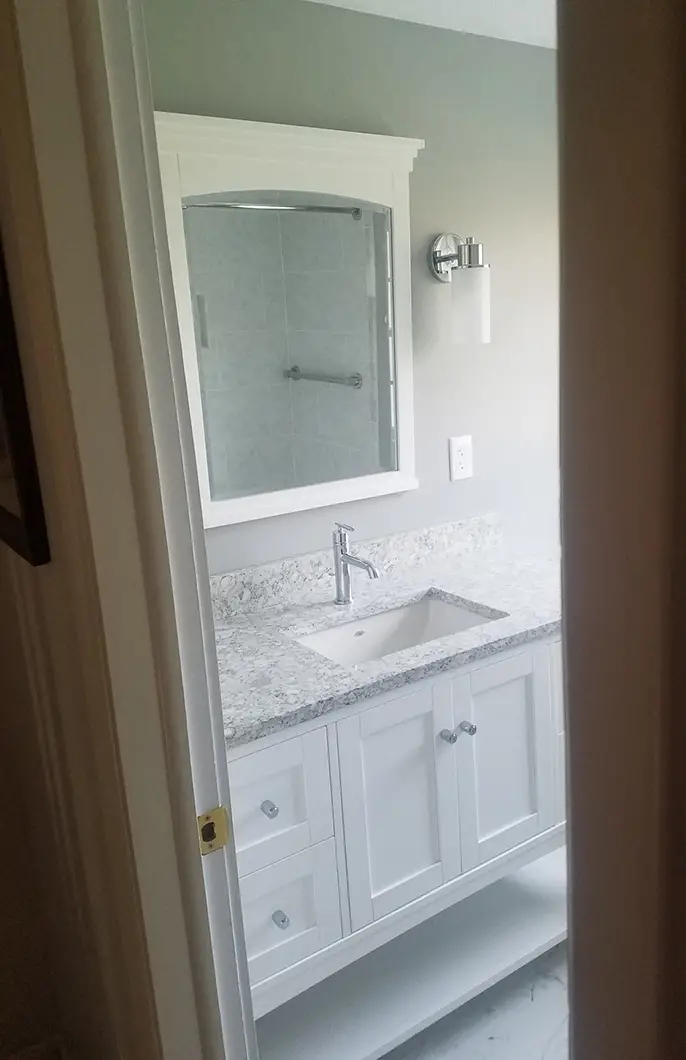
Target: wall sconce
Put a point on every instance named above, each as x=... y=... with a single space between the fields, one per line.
x=460 y=263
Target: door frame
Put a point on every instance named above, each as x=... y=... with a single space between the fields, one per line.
x=623 y=890
x=164 y=924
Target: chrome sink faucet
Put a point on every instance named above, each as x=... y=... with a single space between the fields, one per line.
x=343 y=561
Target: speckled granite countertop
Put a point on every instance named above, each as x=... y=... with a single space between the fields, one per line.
x=270 y=682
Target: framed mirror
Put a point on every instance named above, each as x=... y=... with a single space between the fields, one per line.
x=290 y=255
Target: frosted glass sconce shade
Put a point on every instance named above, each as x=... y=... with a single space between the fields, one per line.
x=459 y=262
x=471 y=305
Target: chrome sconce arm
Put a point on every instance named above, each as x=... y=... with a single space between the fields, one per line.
x=471 y=287
x=448 y=252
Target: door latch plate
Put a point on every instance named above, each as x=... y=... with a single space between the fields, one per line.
x=213 y=830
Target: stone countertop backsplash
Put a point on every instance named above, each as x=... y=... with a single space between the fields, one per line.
x=270 y=682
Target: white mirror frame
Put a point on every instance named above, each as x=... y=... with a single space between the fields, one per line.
x=200 y=155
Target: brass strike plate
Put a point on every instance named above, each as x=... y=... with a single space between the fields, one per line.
x=213 y=830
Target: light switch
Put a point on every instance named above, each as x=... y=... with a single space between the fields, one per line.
x=460 y=457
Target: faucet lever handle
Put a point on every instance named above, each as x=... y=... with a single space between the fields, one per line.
x=344 y=526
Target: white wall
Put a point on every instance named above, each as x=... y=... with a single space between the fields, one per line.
x=487 y=111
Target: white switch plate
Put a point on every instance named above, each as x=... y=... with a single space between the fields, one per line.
x=460 y=457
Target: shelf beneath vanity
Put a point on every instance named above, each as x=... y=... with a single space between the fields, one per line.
x=383 y=999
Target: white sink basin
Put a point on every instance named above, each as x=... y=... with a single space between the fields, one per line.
x=404 y=627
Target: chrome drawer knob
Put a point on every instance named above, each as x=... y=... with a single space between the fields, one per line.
x=269 y=809
x=281 y=919
x=449 y=735
x=466 y=726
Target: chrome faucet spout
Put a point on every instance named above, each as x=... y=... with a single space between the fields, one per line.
x=343 y=560
x=361 y=564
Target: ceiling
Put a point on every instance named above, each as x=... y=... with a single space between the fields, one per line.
x=526 y=21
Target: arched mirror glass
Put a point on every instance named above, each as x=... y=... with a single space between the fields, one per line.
x=292 y=309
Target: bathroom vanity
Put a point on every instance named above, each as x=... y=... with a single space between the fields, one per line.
x=398 y=816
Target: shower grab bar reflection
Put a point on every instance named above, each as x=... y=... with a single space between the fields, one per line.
x=354 y=211
x=296 y=375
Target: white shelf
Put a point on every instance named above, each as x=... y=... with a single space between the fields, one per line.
x=375 y=1004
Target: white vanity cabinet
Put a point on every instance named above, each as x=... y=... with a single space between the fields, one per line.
x=444 y=778
x=356 y=826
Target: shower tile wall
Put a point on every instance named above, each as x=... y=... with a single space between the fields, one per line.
x=270 y=291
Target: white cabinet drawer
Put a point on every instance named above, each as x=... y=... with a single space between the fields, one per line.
x=291 y=910
x=281 y=800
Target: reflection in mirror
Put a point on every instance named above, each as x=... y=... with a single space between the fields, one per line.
x=292 y=307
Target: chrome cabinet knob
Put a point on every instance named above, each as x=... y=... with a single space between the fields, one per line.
x=451 y=735
x=269 y=809
x=281 y=919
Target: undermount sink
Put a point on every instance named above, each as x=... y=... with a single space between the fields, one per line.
x=403 y=627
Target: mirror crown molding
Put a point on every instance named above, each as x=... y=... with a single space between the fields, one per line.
x=265 y=140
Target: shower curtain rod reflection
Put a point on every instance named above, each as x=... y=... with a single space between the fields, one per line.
x=354 y=211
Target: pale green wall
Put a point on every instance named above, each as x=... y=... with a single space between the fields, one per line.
x=487 y=112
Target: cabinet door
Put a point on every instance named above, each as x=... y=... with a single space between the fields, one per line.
x=505 y=770
x=291 y=910
x=399 y=801
x=556 y=674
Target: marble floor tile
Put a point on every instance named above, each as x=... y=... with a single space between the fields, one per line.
x=523 y=1018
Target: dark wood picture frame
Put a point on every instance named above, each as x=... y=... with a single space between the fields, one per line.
x=22 y=523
